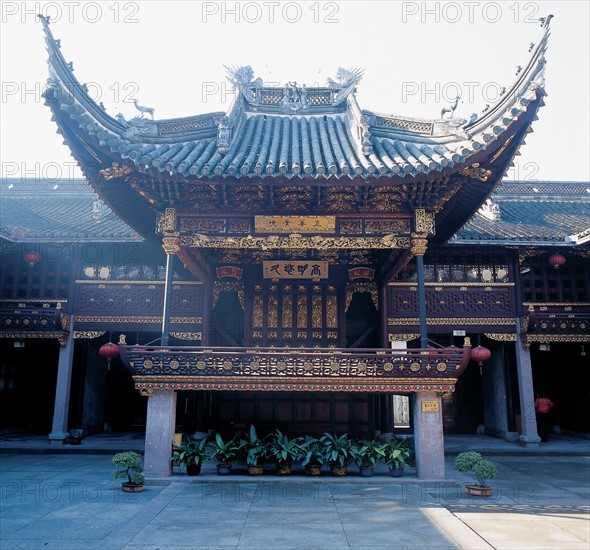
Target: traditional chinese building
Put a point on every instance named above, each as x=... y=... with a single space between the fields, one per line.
x=317 y=271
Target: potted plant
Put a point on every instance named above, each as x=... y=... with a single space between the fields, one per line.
x=313 y=456
x=366 y=454
x=338 y=452
x=191 y=452
x=284 y=451
x=395 y=455
x=481 y=468
x=130 y=468
x=224 y=453
x=254 y=451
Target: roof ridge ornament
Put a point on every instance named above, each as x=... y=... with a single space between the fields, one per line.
x=242 y=78
x=347 y=81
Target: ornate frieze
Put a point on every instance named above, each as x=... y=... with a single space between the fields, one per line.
x=272 y=368
x=294 y=241
x=228 y=286
x=361 y=287
x=403 y=337
x=88 y=334
x=424 y=221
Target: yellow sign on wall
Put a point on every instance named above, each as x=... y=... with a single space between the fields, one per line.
x=295 y=224
x=280 y=269
x=430 y=406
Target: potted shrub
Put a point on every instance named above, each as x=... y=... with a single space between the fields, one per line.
x=395 y=455
x=284 y=451
x=224 y=453
x=481 y=468
x=313 y=456
x=191 y=452
x=130 y=468
x=337 y=452
x=254 y=451
x=366 y=454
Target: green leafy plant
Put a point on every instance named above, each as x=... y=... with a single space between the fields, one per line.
x=481 y=468
x=313 y=452
x=223 y=452
x=191 y=451
x=252 y=449
x=367 y=453
x=337 y=449
x=395 y=453
x=283 y=450
x=130 y=467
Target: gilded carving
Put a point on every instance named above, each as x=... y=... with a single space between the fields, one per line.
x=257 y=312
x=316 y=312
x=170 y=245
x=140 y=320
x=332 y=311
x=424 y=221
x=166 y=221
x=287 y=312
x=228 y=286
x=361 y=287
x=294 y=241
x=187 y=335
x=476 y=172
x=501 y=337
x=403 y=337
x=273 y=312
x=115 y=171
x=301 y=312
x=419 y=246
x=409 y=321
x=89 y=334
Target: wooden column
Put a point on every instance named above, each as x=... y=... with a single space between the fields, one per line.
x=419 y=249
x=171 y=247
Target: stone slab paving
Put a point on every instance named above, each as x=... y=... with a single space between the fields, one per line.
x=71 y=502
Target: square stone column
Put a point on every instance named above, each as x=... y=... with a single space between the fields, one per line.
x=159 y=433
x=428 y=434
x=59 y=427
x=529 y=437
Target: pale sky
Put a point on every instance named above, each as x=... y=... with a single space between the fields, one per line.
x=416 y=55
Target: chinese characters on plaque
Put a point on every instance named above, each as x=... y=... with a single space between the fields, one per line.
x=280 y=269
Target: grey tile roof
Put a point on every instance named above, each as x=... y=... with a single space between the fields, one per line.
x=532 y=213
x=331 y=138
x=68 y=211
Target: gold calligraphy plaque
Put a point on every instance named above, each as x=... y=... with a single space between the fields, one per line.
x=281 y=269
x=294 y=224
x=430 y=406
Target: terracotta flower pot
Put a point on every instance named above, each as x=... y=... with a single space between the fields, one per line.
x=478 y=491
x=313 y=469
x=338 y=471
x=255 y=470
x=127 y=487
x=283 y=469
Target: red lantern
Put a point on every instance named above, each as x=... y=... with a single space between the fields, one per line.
x=32 y=258
x=451 y=349
x=480 y=354
x=109 y=351
x=556 y=260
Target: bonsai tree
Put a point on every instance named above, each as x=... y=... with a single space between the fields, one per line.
x=130 y=468
x=313 y=456
x=337 y=451
x=395 y=454
x=191 y=452
x=481 y=468
x=223 y=452
x=285 y=451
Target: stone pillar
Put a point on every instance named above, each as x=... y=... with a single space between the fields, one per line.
x=529 y=437
x=428 y=434
x=59 y=427
x=159 y=433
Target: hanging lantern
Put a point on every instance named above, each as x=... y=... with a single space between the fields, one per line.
x=451 y=349
x=479 y=355
x=32 y=258
x=556 y=260
x=109 y=351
